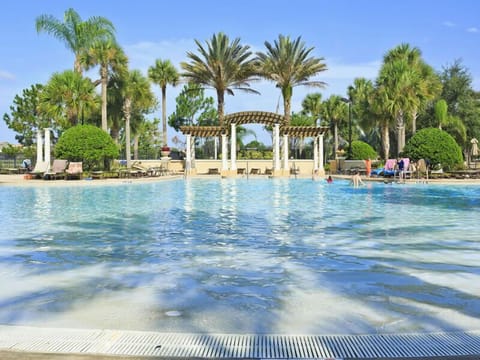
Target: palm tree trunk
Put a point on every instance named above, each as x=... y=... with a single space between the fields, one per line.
x=400 y=133
x=127 y=110
x=135 y=146
x=77 y=65
x=287 y=104
x=385 y=141
x=164 y=115
x=414 y=122
x=335 y=134
x=104 y=78
x=220 y=106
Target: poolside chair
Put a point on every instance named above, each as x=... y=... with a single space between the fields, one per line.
x=74 y=170
x=40 y=169
x=57 y=170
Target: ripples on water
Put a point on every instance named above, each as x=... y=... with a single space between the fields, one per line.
x=242 y=256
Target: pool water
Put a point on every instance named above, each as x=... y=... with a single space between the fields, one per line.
x=242 y=256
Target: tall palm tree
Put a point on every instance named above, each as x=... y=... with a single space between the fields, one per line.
x=76 y=34
x=288 y=63
x=137 y=94
x=410 y=84
x=110 y=56
x=335 y=111
x=68 y=97
x=162 y=74
x=222 y=65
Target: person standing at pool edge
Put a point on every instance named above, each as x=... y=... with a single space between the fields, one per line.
x=356 y=180
x=368 y=167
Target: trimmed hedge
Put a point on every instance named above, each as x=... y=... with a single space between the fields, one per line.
x=438 y=146
x=88 y=144
x=362 y=151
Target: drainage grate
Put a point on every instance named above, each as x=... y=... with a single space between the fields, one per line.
x=136 y=343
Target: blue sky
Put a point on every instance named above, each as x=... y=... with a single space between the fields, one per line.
x=352 y=37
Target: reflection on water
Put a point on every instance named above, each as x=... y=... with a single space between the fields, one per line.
x=242 y=256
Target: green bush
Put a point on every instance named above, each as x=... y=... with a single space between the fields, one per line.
x=437 y=146
x=88 y=144
x=362 y=151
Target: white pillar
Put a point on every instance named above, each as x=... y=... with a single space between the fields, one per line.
x=224 y=152
x=320 y=151
x=233 y=147
x=188 y=160
x=192 y=152
x=215 y=147
x=47 y=147
x=315 y=153
x=285 y=152
x=276 y=147
x=39 y=147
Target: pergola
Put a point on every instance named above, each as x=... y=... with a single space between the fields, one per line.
x=280 y=163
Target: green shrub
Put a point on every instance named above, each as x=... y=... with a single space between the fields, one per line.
x=437 y=146
x=88 y=144
x=362 y=151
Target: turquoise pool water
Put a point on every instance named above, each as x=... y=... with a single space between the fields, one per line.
x=242 y=256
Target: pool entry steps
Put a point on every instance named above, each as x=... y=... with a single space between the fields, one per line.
x=221 y=346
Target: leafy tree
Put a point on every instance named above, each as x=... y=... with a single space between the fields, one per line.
x=77 y=35
x=363 y=151
x=162 y=74
x=437 y=146
x=25 y=118
x=192 y=107
x=68 y=98
x=312 y=106
x=288 y=63
x=88 y=144
x=110 y=57
x=222 y=65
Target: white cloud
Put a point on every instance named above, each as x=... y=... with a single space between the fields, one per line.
x=6 y=75
x=472 y=30
x=337 y=70
x=448 y=24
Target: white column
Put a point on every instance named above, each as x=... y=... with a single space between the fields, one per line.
x=188 y=160
x=276 y=147
x=233 y=147
x=215 y=147
x=47 y=147
x=224 y=152
x=320 y=151
x=315 y=153
x=285 y=152
x=39 y=147
x=193 y=156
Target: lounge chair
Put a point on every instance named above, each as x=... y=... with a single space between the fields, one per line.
x=40 y=169
x=57 y=170
x=74 y=170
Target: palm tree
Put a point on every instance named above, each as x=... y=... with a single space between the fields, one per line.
x=164 y=73
x=77 y=35
x=110 y=56
x=288 y=64
x=136 y=92
x=409 y=84
x=222 y=65
x=335 y=111
x=68 y=98
x=312 y=105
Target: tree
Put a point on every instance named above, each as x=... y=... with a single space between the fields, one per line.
x=435 y=145
x=77 y=35
x=452 y=124
x=222 y=65
x=88 y=144
x=162 y=74
x=312 y=106
x=335 y=111
x=192 y=107
x=67 y=98
x=288 y=64
x=110 y=57
x=137 y=97
x=25 y=118
x=362 y=151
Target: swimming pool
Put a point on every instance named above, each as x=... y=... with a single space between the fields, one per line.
x=242 y=256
